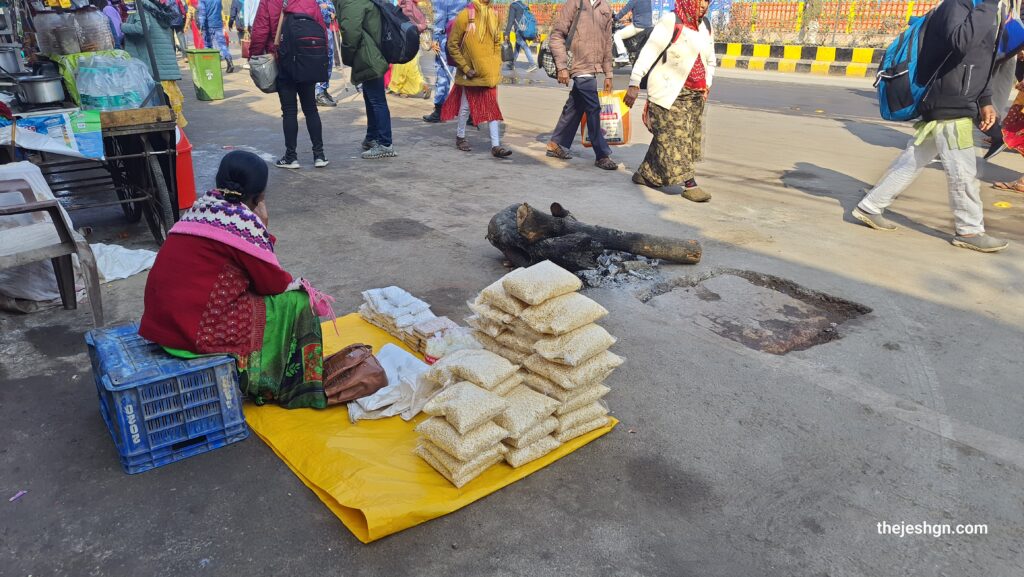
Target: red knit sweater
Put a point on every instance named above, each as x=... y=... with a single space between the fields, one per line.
x=206 y=297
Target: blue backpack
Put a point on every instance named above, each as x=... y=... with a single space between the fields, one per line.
x=899 y=92
x=528 y=24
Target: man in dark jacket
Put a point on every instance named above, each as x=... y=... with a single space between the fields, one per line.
x=517 y=20
x=642 y=19
x=959 y=50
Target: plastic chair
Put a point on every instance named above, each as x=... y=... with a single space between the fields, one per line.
x=55 y=240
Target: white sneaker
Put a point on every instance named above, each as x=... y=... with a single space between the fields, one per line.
x=320 y=161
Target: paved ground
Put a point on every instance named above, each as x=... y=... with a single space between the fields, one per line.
x=729 y=461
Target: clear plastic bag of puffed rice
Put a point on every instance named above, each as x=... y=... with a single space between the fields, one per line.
x=489 y=313
x=502 y=351
x=526 y=409
x=593 y=370
x=582 y=429
x=463 y=447
x=538 y=432
x=519 y=327
x=510 y=384
x=496 y=296
x=478 y=366
x=540 y=282
x=582 y=397
x=515 y=342
x=465 y=406
x=575 y=346
x=461 y=474
x=582 y=415
x=563 y=314
x=487 y=327
x=520 y=457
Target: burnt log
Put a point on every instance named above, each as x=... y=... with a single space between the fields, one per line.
x=527 y=236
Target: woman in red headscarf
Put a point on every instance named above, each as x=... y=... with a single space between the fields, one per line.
x=679 y=62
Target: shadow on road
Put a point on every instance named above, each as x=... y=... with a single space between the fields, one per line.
x=847 y=191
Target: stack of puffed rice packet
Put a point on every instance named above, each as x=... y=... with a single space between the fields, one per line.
x=535 y=317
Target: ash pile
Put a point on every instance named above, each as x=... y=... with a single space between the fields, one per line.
x=616 y=268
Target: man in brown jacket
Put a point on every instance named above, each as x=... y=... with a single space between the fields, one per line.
x=586 y=27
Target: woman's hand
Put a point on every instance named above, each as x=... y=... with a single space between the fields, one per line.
x=705 y=93
x=471 y=73
x=631 y=95
x=260 y=210
x=436 y=47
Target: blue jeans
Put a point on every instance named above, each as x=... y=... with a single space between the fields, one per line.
x=214 y=38
x=322 y=87
x=521 y=45
x=442 y=82
x=583 y=98
x=378 y=117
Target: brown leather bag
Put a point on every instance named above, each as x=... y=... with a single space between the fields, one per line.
x=352 y=373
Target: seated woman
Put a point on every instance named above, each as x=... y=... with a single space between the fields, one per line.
x=217 y=288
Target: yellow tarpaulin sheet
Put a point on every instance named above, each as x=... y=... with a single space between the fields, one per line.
x=366 y=473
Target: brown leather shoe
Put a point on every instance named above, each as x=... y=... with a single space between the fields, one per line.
x=462 y=144
x=500 y=152
x=696 y=194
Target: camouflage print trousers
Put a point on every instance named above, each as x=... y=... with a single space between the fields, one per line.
x=676 y=146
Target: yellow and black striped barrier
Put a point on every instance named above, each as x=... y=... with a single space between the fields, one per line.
x=823 y=60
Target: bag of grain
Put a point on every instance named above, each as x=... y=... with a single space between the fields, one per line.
x=582 y=397
x=581 y=429
x=489 y=328
x=478 y=366
x=563 y=314
x=593 y=370
x=463 y=447
x=465 y=406
x=574 y=347
x=540 y=282
x=532 y=452
x=489 y=313
x=497 y=348
x=508 y=385
x=531 y=436
x=582 y=415
x=496 y=296
x=457 y=472
x=526 y=409
x=516 y=342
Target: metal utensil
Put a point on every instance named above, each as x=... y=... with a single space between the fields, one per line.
x=40 y=89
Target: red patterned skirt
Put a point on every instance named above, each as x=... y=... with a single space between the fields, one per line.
x=483 y=103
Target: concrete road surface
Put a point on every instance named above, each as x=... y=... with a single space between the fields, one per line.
x=732 y=459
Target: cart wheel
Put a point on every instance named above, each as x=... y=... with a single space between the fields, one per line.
x=158 y=212
x=132 y=210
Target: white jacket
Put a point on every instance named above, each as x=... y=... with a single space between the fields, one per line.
x=667 y=78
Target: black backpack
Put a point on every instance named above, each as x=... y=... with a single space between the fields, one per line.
x=302 y=55
x=399 y=37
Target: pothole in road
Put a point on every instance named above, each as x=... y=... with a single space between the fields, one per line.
x=762 y=312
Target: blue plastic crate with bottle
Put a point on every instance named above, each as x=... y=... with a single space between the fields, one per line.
x=161 y=408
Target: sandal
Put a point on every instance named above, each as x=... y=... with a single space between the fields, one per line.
x=462 y=144
x=559 y=152
x=1010 y=186
x=500 y=152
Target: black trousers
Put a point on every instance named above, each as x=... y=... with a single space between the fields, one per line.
x=287 y=91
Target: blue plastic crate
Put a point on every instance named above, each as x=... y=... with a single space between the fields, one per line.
x=161 y=408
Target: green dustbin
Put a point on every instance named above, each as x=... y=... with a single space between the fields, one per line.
x=205 y=65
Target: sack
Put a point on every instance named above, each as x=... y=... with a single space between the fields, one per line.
x=614 y=120
x=528 y=25
x=263 y=71
x=399 y=37
x=302 y=54
x=352 y=373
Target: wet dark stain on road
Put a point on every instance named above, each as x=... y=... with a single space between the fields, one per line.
x=671 y=486
x=56 y=341
x=399 y=229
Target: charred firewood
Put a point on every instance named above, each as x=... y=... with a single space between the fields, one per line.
x=527 y=236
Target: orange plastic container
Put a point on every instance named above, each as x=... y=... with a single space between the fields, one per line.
x=186 y=175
